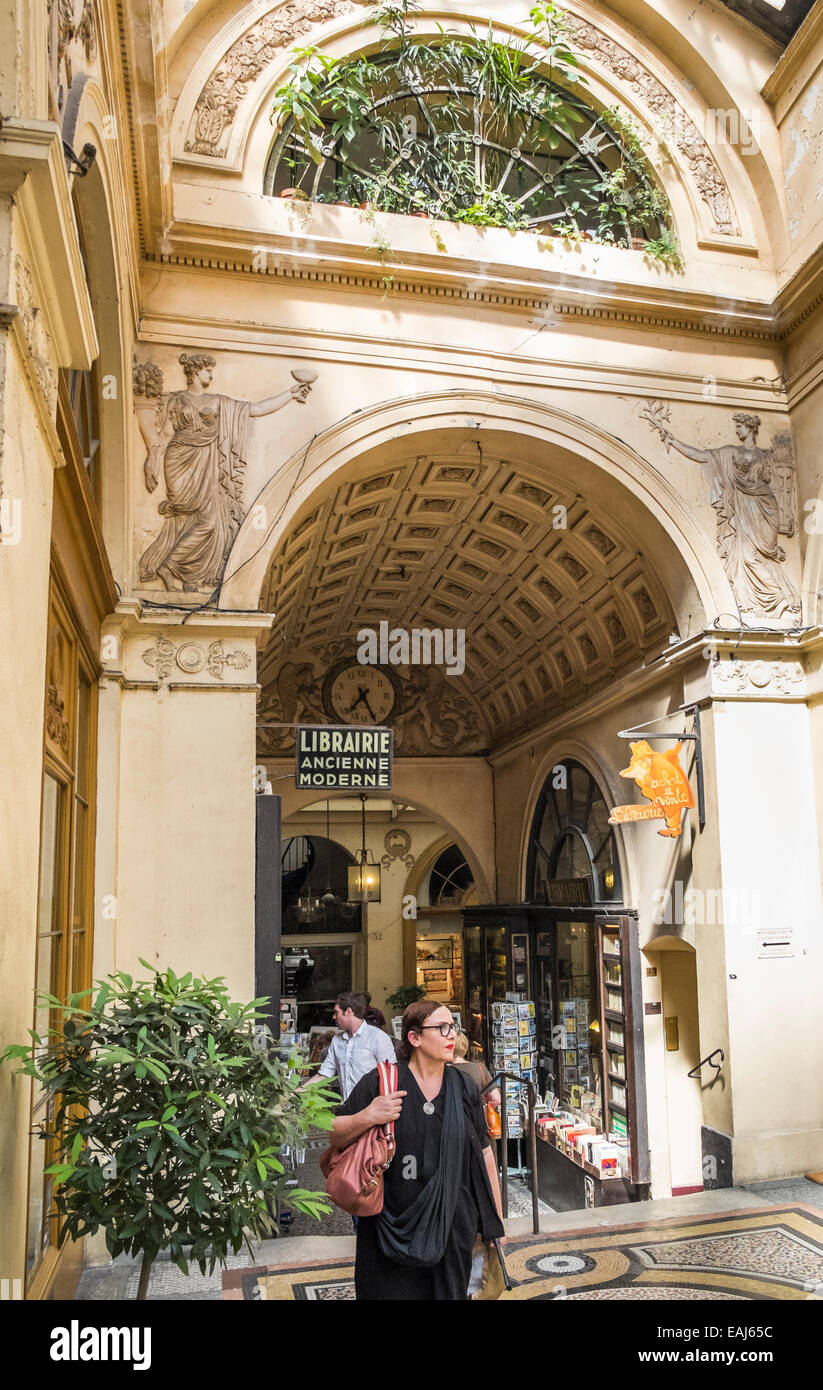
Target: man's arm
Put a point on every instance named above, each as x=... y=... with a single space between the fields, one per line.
x=384 y=1048
x=327 y=1069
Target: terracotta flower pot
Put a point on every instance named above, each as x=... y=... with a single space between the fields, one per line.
x=639 y=243
x=297 y=193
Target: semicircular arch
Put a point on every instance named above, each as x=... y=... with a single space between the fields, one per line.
x=670 y=532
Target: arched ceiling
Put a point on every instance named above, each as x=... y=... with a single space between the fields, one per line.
x=460 y=539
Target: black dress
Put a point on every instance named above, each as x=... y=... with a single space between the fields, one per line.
x=416 y=1159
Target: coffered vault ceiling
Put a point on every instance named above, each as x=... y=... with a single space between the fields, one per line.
x=467 y=541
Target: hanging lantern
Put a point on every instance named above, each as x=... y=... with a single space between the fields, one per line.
x=364 y=873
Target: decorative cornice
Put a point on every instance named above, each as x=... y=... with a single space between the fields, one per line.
x=32 y=168
x=798 y=298
x=695 y=317
x=696 y=323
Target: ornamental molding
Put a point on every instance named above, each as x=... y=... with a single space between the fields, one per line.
x=397 y=844
x=210 y=126
x=240 y=67
x=193 y=657
x=57 y=725
x=657 y=98
x=757 y=678
x=699 y=323
x=35 y=334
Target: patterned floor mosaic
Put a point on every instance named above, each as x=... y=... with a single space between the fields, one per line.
x=772 y=1253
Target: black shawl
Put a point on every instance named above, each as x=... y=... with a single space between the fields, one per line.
x=418 y=1236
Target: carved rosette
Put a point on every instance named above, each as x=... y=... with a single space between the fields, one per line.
x=259 y=46
x=193 y=657
x=757 y=678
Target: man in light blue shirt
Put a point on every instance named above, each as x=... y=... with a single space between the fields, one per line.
x=358 y=1048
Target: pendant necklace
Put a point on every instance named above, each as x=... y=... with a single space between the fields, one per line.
x=428 y=1107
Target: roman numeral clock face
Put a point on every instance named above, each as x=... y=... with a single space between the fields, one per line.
x=355 y=694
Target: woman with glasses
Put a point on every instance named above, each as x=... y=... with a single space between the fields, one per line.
x=441 y=1187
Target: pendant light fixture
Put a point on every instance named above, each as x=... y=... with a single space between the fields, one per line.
x=364 y=874
x=329 y=900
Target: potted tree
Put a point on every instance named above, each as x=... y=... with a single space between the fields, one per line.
x=171 y=1111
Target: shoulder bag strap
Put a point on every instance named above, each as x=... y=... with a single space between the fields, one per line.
x=387 y=1074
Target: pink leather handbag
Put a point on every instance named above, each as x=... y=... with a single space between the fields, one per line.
x=354 y=1175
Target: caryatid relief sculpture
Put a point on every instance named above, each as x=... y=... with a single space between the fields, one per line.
x=200 y=437
x=752 y=491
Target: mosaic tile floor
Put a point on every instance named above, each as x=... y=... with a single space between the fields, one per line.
x=762 y=1254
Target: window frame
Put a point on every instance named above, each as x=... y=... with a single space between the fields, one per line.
x=67 y=762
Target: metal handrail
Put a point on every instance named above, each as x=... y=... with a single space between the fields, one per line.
x=709 y=1062
x=504 y=1172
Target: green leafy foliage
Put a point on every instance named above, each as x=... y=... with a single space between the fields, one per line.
x=481 y=94
x=169 y=1118
x=405 y=995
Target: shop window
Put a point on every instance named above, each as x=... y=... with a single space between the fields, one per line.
x=573 y=856
x=440 y=966
x=314 y=976
x=315 y=887
x=66 y=898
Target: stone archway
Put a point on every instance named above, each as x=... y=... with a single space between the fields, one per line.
x=381 y=434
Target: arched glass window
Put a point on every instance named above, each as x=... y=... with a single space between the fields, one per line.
x=451 y=879
x=437 y=147
x=571 y=838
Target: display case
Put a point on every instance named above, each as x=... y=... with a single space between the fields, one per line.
x=497 y=963
x=621 y=1007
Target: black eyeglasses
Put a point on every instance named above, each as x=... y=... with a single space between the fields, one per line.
x=445 y=1028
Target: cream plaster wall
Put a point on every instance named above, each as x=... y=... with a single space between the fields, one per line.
x=795 y=92
x=684 y=1106
x=177 y=809
x=26 y=474
x=762 y=752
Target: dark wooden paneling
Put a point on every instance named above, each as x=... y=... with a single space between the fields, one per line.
x=267 y=905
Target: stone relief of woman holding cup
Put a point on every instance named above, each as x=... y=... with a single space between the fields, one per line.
x=200 y=437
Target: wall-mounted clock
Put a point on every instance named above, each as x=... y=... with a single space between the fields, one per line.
x=355 y=694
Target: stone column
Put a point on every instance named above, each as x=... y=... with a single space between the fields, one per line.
x=176 y=830
x=760 y=957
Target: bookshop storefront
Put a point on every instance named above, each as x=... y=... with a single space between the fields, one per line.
x=553 y=996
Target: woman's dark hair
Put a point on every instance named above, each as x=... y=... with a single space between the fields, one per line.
x=414 y=1015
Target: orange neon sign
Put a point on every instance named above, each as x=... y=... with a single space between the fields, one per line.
x=663 y=782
